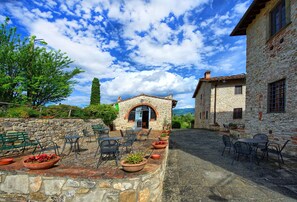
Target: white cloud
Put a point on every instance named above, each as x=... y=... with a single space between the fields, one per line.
x=240 y=8
x=152 y=82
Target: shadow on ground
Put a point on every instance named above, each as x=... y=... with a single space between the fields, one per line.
x=197 y=171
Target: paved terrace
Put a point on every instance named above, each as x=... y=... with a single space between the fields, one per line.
x=196 y=171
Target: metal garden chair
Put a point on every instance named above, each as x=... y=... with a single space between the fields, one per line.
x=108 y=149
x=243 y=149
x=274 y=148
x=145 y=134
x=227 y=143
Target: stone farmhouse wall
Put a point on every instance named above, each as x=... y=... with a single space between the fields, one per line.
x=270 y=59
x=54 y=129
x=226 y=101
x=202 y=105
x=162 y=107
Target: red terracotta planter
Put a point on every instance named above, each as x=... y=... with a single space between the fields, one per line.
x=157 y=145
x=164 y=138
x=155 y=156
x=133 y=167
x=6 y=161
x=43 y=165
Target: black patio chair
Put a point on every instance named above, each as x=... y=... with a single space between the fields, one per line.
x=108 y=149
x=128 y=142
x=243 y=149
x=145 y=134
x=227 y=143
x=101 y=137
x=261 y=146
x=274 y=148
x=45 y=144
x=86 y=134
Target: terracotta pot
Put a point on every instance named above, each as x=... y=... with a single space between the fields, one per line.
x=155 y=156
x=6 y=161
x=133 y=167
x=164 y=138
x=43 y=165
x=159 y=146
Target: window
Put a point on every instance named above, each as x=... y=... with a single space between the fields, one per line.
x=238 y=90
x=276 y=96
x=200 y=115
x=206 y=115
x=278 y=18
x=237 y=113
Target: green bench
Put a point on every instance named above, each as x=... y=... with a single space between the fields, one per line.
x=14 y=141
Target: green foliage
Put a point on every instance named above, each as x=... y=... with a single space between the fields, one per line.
x=106 y=112
x=63 y=111
x=176 y=124
x=21 y=112
x=33 y=75
x=183 y=121
x=163 y=135
x=95 y=92
x=134 y=158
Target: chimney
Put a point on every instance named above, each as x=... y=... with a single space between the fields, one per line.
x=207 y=75
x=119 y=99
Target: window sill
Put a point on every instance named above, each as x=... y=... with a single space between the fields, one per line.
x=278 y=33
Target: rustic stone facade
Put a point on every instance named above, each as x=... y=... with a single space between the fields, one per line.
x=54 y=129
x=162 y=108
x=269 y=59
x=215 y=100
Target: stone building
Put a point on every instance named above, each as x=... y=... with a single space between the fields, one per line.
x=270 y=27
x=144 y=111
x=219 y=100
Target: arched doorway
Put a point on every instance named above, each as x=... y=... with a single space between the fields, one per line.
x=142 y=115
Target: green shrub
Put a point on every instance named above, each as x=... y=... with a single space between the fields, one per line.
x=134 y=158
x=106 y=112
x=62 y=111
x=176 y=124
x=21 y=112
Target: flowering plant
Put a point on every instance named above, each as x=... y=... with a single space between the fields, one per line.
x=40 y=158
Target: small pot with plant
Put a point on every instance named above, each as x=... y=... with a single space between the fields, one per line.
x=134 y=162
x=163 y=137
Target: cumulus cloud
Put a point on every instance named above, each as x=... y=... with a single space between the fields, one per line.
x=152 y=47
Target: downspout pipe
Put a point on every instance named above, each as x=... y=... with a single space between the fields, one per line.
x=215 y=106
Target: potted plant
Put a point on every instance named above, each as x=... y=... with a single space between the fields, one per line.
x=163 y=137
x=160 y=144
x=42 y=161
x=134 y=162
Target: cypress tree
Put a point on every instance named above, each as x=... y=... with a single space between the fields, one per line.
x=95 y=92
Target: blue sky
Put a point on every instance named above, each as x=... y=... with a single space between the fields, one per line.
x=155 y=47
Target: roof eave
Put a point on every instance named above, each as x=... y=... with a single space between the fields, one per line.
x=248 y=17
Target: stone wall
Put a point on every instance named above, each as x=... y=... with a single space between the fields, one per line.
x=270 y=59
x=25 y=186
x=55 y=129
x=162 y=107
x=226 y=101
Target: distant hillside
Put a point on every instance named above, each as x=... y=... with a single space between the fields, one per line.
x=179 y=112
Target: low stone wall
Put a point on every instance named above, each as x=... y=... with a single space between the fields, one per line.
x=56 y=129
x=22 y=185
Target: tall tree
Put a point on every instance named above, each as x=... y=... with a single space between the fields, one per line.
x=9 y=65
x=40 y=73
x=95 y=92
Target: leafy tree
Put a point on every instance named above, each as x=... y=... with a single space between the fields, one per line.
x=106 y=112
x=9 y=65
x=35 y=75
x=182 y=121
x=95 y=92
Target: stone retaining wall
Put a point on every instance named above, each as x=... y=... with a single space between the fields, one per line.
x=56 y=129
x=21 y=185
